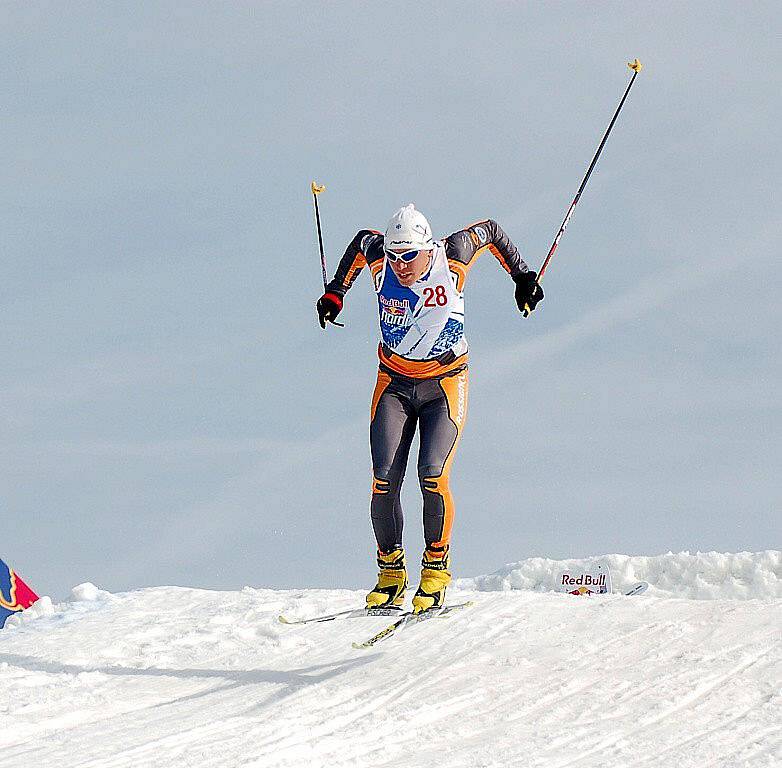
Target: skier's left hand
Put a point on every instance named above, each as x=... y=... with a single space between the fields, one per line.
x=528 y=292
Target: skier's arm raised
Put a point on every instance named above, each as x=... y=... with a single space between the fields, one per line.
x=464 y=246
x=352 y=262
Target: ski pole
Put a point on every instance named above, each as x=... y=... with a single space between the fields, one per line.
x=636 y=66
x=316 y=190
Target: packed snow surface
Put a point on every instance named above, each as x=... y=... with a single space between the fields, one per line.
x=182 y=677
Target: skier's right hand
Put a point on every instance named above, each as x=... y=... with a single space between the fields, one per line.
x=528 y=292
x=329 y=306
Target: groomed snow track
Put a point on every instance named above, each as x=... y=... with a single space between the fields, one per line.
x=179 y=677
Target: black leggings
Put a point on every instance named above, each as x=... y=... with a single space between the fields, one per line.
x=439 y=407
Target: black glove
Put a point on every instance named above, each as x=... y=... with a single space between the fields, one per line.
x=329 y=306
x=528 y=292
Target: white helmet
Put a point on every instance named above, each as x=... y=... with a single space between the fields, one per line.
x=408 y=229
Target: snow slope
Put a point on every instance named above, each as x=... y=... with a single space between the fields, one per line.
x=182 y=677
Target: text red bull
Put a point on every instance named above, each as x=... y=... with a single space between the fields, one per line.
x=596 y=581
x=15 y=595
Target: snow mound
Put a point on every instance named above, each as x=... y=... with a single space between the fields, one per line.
x=698 y=576
x=42 y=607
x=88 y=593
x=169 y=677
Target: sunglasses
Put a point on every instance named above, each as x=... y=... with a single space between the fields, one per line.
x=407 y=256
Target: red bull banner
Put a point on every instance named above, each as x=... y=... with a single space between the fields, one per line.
x=15 y=595
x=595 y=580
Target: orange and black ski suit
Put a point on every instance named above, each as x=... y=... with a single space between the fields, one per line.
x=414 y=388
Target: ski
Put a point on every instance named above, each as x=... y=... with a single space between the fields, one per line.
x=408 y=618
x=349 y=614
x=640 y=587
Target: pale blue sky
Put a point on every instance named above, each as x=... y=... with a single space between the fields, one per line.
x=170 y=411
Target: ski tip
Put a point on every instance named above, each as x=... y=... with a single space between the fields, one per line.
x=359 y=646
x=283 y=620
x=638 y=589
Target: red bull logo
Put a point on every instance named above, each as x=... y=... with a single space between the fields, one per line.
x=582 y=591
x=15 y=595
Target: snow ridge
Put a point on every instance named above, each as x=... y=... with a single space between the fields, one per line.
x=698 y=576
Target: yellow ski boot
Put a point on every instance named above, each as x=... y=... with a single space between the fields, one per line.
x=435 y=578
x=389 y=592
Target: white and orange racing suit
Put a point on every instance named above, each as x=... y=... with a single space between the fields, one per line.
x=422 y=377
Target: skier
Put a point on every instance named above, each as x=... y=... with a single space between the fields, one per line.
x=422 y=378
